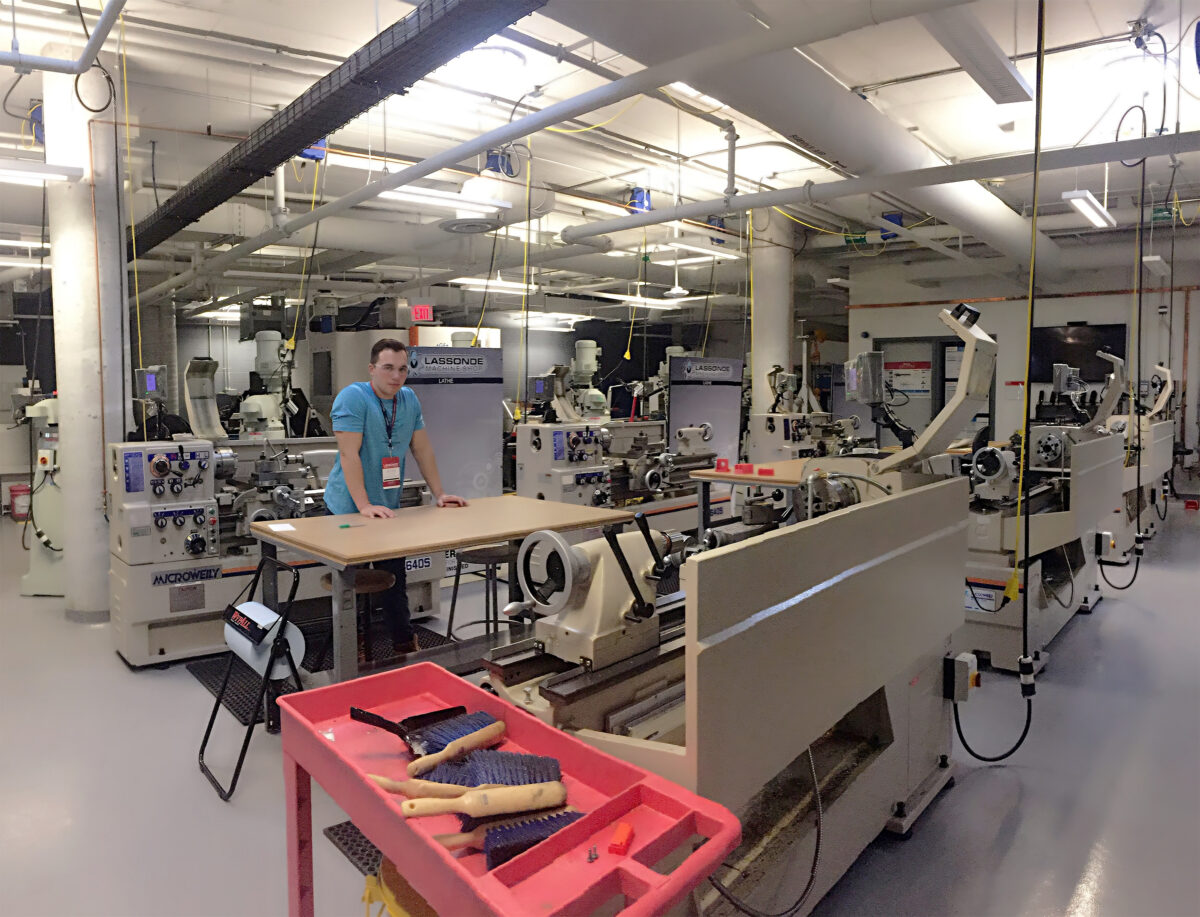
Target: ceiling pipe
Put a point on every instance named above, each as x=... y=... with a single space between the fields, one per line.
x=916 y=178
x=27 y=63
x=848 y=17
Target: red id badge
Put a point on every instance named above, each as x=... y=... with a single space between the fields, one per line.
x=391 y=472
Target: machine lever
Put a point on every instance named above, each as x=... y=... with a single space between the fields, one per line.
x=641 y=609
x=644 y=528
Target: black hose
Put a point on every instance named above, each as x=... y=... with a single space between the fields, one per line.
x=992 y=759
x=1137 y=564
x=812 y=872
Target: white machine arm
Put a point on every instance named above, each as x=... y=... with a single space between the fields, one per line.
x=1160 y=403
x=970 y=395
x=1112 y=392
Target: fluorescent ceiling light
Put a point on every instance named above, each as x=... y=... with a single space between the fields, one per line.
x=604 y=207
x=22 y=243
x=1085 y=202
x=24 y=262
x=221 y=316
x=838 y=282
x=961 y=33
x=682 y=262
x=366 y=163
x=495 y=285
x=1156 y=266
x=648 y=303
x=705 y=250
x=696 y=95
x=31 y=172
x=450 y=200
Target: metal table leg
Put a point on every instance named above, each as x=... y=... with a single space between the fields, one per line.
x=704 y=502
x=298 y=787
x=270 y=577
x=345 y=625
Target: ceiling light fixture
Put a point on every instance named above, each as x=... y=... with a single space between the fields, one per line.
x=703 y=250
x=961 y=33
x=20 y=262
x=648 y=303
x=30 y=172
x=449 y=200
x=22 y=243
x=1156 y=265
x=496 y=285
x=1085 y=202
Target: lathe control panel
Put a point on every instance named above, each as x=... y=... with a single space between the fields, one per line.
x=564 y=463
x=161 y=504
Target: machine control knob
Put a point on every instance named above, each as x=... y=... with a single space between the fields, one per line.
x=177 y=487
x=160 y=466
x=198 y=519
x=195 y=543
x=157 y=488
x=180 y=521
x=202 y=464
x=160 y=521
x=599 y=497
x=184 y=464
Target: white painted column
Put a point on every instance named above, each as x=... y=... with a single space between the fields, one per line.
x=771 y=331
x=89 y=310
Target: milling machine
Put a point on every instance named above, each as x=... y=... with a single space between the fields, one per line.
x=720 y=667
x=1072 y=482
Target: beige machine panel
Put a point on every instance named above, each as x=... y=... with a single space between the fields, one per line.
x=844 y=602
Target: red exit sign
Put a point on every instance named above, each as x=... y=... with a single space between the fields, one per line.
x=422 y=313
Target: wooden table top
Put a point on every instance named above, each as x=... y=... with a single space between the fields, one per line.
x=353 y=539
x=789 y=473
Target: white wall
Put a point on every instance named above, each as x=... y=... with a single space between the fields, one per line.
x=1007 y=322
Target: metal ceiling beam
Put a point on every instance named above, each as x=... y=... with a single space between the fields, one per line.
x=434 y=33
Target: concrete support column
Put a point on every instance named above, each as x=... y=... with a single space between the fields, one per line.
x=160 y=345
x=89 y=309
x=771 y=330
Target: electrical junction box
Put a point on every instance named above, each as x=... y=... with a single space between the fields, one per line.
x=959 y=675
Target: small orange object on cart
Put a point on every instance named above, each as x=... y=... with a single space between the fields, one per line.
x=320 y=741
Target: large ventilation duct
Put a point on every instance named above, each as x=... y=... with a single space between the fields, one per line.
x=433 y=34
x=820 y=115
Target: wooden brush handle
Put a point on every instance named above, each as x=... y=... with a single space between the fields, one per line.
x=482 y=803
x=488 y=735
x=477 y=837
x=426 y=789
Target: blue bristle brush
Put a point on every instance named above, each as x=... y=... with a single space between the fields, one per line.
x=488 y=767
x=451 y=739
x=502 y=840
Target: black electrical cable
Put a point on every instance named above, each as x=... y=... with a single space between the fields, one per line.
x=1024 y=457
x=1137 y=563
x=7 y=95
x=812 y=872
x=154 y=172
x=992 y=759
x=975 y=597
x=112 y=87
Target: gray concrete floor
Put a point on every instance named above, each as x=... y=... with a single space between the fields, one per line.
x=104 y=812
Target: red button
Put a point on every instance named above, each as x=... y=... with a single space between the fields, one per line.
x=212 y=521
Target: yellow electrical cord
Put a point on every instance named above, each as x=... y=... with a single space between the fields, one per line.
x=528 y=230
x=633 y=309
x=1179 y=212
x=312 y=204
x=584 y=130
x=827 y=232
x=137 y=293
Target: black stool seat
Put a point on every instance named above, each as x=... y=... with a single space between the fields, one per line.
x=489 y=554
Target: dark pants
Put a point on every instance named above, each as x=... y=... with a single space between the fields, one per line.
x=394 y=601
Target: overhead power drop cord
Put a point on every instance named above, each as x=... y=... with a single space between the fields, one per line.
x=1025 y=663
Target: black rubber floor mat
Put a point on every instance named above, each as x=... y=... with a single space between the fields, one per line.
x=318 y=654
x=364 y=855
x=242 y=690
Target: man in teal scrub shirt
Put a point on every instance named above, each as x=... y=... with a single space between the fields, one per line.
x=376 y=423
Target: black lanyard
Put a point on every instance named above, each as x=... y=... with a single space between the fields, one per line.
x=388 y=425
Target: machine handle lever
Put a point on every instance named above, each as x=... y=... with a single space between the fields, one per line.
x=644 y=528
x=641 y=608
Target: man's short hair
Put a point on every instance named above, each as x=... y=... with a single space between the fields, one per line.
x=387 y=344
